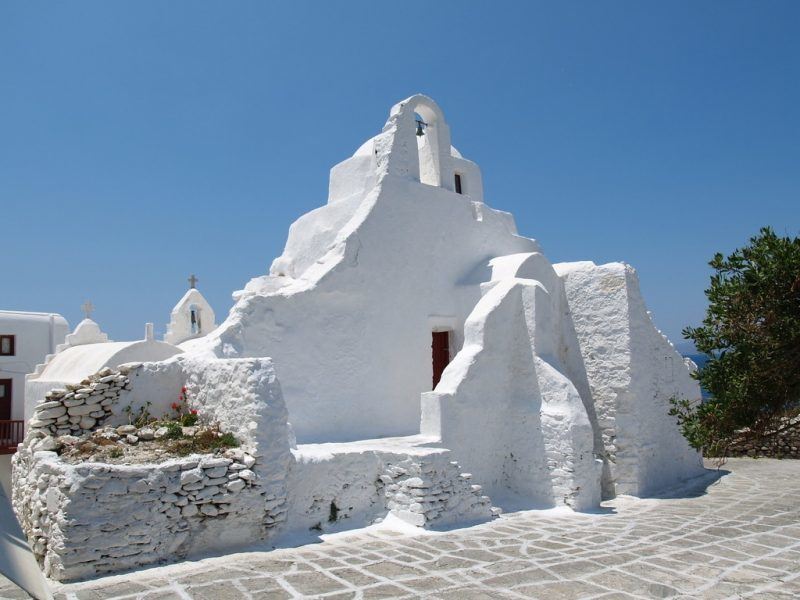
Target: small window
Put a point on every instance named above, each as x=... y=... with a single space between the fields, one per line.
x=6 y=345
x=458 y=184
x=194 y=317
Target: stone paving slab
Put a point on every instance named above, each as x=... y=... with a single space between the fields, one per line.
x=735 y=536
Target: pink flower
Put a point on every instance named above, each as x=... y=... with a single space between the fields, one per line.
x=193 y=411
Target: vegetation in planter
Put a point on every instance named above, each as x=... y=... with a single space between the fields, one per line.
x=148 y=438
x=203 y=441
x=182 y=413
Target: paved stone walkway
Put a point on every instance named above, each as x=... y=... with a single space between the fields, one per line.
x=738 y=537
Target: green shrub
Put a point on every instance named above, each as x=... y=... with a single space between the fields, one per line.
x=174 y=431
x=188 y=419
x=751 y=335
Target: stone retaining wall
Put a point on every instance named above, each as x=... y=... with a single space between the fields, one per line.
x=89 y=519
x=78 y=408
x=432 y=491
x=784 y=443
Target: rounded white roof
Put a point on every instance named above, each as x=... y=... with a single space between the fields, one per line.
x=78 y=362
x=21 y=315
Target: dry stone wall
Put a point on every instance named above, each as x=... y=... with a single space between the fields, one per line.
x=89 y=519
x=784 y=442
x=78 y=408
x=432 y=491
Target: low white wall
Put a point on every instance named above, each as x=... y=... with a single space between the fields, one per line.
x=345 y=480
x=89 y=519
x=92 y=518
x=350 y=486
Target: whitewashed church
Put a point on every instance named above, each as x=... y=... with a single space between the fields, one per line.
x=409 y=353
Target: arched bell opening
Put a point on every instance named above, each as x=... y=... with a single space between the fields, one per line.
x=427 y=136
x=195 y=326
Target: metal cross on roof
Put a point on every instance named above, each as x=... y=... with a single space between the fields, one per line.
x=87 y=308
x=193 y=281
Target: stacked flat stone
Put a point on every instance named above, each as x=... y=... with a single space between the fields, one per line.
x=433 y=491
x=124 y=516
x=79 y=408
x=783 y=443
x=206 y=487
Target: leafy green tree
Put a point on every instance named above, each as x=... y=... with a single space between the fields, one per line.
x=751 y=334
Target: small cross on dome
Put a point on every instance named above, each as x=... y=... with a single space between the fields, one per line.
x=87 y=308
x=193 y=281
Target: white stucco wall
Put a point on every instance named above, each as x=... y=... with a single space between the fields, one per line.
x=36 y=336
x=348 y=309
x=507 y=409
x=632 y=371
x=361 y=284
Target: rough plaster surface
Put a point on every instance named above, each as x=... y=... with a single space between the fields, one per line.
x=536 y=442
x=633 y=371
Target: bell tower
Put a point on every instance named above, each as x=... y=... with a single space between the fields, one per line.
x=192 y=316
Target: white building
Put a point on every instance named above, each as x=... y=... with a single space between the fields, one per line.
x=405 y=270
x=432 y=363
x=26 y=338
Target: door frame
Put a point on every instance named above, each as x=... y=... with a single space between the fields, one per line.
x=10 y=395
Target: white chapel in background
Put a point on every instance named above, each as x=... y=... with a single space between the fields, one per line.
x=191 y=318
x=87 y=331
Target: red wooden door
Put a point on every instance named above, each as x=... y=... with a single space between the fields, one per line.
x=5 y=399
x=440 y=349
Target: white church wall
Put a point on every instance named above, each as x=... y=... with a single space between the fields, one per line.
x=535 y=445
x=360 y=323
x=632 y=371
x=352 y=177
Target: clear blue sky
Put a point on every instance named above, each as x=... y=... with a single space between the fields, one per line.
x=143 y=141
